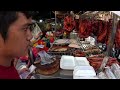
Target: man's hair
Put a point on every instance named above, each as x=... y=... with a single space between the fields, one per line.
x=7 y=18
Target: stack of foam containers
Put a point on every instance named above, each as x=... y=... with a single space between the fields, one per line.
x=80 y=66
x=67 y=62
x=84 y=72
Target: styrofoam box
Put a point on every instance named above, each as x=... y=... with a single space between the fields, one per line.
x=67 y=62
x=79 y=77
x=84 y=71
x=81 y=61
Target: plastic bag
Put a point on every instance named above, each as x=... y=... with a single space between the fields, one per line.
x=27 y=73
x=45 y=58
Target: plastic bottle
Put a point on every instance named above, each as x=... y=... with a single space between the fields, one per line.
x=64 y=35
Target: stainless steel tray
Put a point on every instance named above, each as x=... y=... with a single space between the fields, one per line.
x=61 y=74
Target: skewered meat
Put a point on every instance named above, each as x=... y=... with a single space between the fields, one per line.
x=97 y=61
x=78 y=53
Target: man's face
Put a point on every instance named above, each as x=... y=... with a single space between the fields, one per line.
x=19 y=36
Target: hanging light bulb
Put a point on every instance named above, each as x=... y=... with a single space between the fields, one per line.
x=41 y=21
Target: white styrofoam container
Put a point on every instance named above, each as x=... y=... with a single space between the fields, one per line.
x=84 y=71
x=67 y=62
x=79 y=77
x=81 y=61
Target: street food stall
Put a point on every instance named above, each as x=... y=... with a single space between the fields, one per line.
x=85 y=51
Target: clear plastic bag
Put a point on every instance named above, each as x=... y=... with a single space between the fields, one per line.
x=109 y=73
x=27 y=73
x=45 y=58
x=102 y=75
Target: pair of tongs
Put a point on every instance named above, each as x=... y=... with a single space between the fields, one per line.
x=104 y=62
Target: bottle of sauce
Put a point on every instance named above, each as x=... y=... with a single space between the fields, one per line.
x=64 y=35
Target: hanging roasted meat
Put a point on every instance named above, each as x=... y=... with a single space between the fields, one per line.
x=102 y=32
x=69 y=23
x=95 y=27
x=109 y=28
x=117 y=36
x=85 y=28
